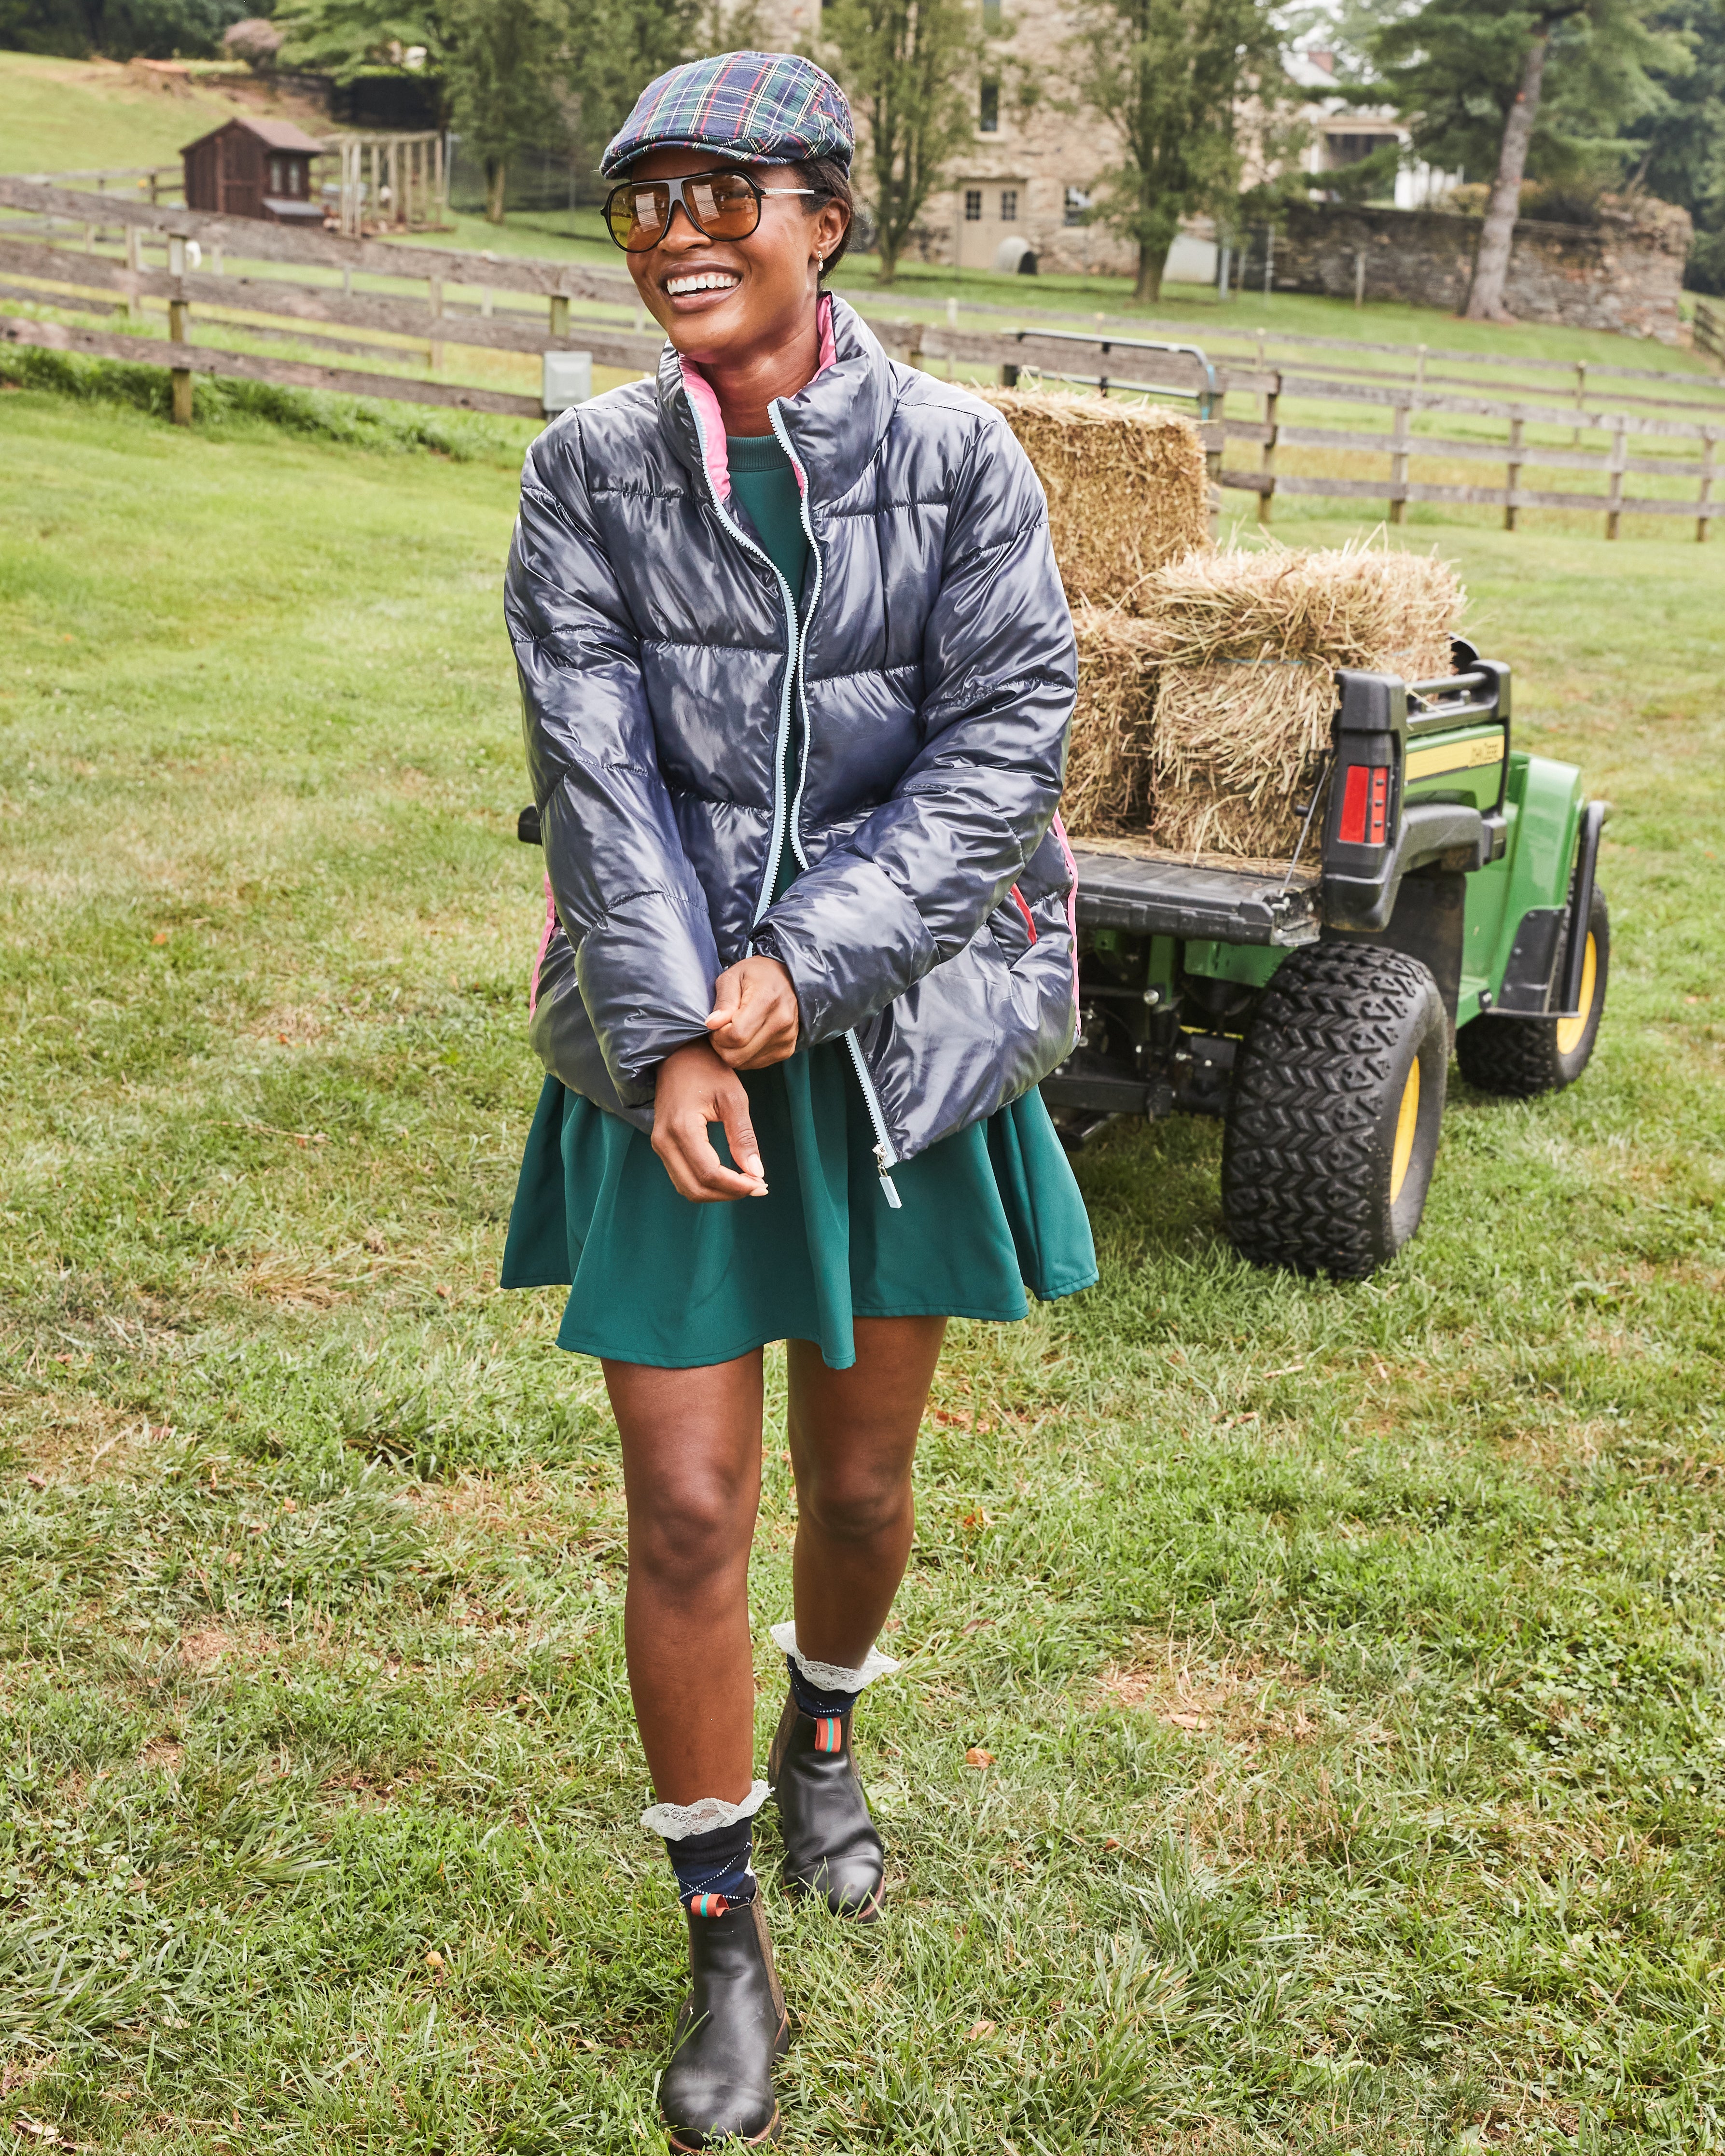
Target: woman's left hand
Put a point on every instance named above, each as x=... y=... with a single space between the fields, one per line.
x=754 y=1018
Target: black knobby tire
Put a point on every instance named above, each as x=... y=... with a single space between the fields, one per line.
x=1348 y=1052
x=1521 y=1057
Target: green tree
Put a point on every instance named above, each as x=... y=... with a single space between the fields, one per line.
x=909 y=68
x=1538 y=90
x=339 y=38
x=1171 y=79
x=1679 y=144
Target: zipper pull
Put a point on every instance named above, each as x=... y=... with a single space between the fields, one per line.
x=885 y=1172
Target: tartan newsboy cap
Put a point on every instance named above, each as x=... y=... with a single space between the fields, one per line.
x=755 y=108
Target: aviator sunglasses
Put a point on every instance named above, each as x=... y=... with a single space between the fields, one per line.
x=719 y=205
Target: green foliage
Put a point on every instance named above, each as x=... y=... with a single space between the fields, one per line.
x=908 y=68
x=339 y=38
x=1168 y=77
x=118 y=29
x=1680 y=145
x=315 y=414
x=1454 y=67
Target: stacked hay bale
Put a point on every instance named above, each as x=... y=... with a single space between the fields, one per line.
x=1128 y=493
x=1247 y=644
x=1125 y=484
x=1205 y=688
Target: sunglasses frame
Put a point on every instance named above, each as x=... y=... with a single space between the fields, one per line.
x=680 y=200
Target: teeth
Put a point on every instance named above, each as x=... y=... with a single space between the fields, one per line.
x=710 y=280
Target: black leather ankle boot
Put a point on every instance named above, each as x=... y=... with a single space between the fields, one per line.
x=718 y=2086
x=830 y=1844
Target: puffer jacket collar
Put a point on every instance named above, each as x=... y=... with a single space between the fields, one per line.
x=836 y=423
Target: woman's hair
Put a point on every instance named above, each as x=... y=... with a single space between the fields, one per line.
x=829 y=177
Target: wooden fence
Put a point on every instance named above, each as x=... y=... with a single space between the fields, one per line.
x=1709 y=329
x=458 y=307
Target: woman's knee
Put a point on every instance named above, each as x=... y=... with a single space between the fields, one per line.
x=849 y=1503
x=695 y=1528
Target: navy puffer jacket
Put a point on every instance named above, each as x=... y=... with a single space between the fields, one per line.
x=933 y=676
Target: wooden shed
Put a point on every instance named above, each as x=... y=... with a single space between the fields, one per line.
x=251 y=167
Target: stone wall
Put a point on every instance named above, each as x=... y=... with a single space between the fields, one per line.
x=1623 y=273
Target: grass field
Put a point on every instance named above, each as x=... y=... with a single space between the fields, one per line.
x=1349 y=1655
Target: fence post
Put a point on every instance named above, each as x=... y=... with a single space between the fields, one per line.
x=1266 y=455
x=559 y=317
x=1359 y=277
x=1704 y=499
x=177 y=311
x=1613 y=501
x=134 y=266
x=1580 y=399
x=1399 y=466
x=434 y=295
x=1512 y=478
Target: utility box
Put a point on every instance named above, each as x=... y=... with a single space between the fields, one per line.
x=568 y=380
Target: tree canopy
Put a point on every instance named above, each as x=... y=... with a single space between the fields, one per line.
x=1170 y=78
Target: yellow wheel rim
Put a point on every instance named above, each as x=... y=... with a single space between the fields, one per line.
x=1570 y=1029
x=1406 y=1122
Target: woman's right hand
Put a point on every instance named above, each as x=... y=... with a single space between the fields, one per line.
x=695 y=1088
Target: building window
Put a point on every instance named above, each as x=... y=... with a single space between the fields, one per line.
x=1009 y=205
x=991 y=18
x=275 y=175
x=972 y=205
x=293 y=179
x=988 y=114
x=1077 y=206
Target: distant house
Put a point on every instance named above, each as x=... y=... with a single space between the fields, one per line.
x=251 y=167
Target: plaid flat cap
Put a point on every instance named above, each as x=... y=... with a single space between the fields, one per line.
x=758 y=108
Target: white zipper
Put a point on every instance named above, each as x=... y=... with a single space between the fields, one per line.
x=885 y=1159
x=793 y=663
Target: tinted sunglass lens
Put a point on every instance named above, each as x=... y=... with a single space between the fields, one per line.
x=726 y=206
x=636 y=216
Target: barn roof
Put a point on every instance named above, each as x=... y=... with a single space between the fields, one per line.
x=276 y=134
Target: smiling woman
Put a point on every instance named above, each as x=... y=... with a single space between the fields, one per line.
x=798 y=671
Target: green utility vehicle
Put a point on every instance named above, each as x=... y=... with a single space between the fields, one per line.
x=1449 y=899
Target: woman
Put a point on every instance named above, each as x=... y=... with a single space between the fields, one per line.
x=797 y=672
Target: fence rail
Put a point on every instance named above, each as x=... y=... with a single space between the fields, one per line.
x=1710 y=329
x=358 y=322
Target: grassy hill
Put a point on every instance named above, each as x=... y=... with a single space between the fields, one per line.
x=61 y=115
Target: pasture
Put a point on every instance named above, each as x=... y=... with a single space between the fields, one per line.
x=1349 y=1656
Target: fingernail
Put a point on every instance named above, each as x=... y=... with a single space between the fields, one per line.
x=753 y=1166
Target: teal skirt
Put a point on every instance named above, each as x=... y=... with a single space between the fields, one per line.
x=657 y=1279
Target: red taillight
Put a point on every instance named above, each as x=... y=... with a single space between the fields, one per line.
x=1365 y=805
x=1352 y=830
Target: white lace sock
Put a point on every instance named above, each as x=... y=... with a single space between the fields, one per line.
x=677 y=1822
x=831 y=1676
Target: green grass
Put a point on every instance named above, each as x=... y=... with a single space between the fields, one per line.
x=70 y=115
x=1349 y=1654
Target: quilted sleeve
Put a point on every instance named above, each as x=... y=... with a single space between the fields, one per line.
x=636 y=918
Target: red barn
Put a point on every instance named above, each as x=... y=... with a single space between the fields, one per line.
x=251 y=167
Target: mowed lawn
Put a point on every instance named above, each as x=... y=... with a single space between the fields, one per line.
x=1349 y=1656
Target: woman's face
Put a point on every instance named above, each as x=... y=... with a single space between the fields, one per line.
x=720 y=301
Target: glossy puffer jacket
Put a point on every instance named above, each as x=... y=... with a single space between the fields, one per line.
x=928 y=687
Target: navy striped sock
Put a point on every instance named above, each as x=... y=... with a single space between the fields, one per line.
x=811 y=1699
x=713 y=1869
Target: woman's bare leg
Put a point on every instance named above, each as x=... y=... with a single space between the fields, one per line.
x=853 y=1436
x=691 y=1473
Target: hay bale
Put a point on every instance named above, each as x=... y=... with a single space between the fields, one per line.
x=1126 y=484
x=1108 y=760
x=1246 y=644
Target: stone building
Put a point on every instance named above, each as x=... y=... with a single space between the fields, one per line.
x=1029 y=174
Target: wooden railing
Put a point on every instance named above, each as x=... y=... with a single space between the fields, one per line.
x=458 y=307
x=1710 y=329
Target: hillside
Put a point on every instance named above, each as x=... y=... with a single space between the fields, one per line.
x=67 y=115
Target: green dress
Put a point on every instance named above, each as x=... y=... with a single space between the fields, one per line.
x=657 y=1279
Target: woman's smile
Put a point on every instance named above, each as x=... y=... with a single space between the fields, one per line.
x=691 y=289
